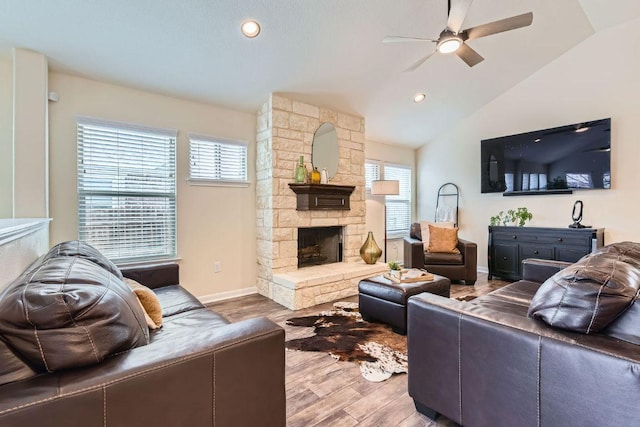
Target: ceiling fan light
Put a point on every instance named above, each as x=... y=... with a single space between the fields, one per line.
x=449 y=45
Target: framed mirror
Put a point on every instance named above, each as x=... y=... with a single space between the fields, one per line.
x=325 y=150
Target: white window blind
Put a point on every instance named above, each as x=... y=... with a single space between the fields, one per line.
x=217 y=160
x=127 y=190
x=371 y=173
x=399 y=207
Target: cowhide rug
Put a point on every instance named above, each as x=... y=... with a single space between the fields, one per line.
x=342 y=333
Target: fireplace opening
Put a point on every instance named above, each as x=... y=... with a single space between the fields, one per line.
x=319 y=245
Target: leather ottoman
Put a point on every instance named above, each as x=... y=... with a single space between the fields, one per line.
x=386 y=301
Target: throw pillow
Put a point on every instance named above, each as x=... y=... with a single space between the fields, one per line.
x=444 y=240
x=69 y=312
x=424 y=230
x=149 y=302
x=590 y=294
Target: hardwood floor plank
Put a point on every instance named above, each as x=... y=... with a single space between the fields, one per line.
x=322 y=391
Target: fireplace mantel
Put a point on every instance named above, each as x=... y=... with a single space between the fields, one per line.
x=322 y=196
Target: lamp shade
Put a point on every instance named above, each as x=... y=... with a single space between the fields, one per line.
x=385 y=187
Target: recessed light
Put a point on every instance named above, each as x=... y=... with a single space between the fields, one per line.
x=419 y=98
x=250 y=28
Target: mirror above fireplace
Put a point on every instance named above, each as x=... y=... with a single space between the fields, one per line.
x=325 y=151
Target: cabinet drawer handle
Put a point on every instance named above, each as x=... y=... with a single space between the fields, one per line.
x=535 y=252
x=559 y=239
x=504 y=258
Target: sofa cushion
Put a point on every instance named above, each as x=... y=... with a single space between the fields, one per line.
x=69 y=312
x=175 y=300
x=12 y=367
x=440 y=258
x=591 y=293
x=77 y=248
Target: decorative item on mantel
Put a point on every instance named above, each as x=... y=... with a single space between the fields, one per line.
x=315 y=176
x=301 y=172
x=370 y=251
x=324 y=178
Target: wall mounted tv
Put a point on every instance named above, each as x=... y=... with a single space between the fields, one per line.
x=550 y=161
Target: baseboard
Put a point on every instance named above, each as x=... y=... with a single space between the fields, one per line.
x=221 y=296
x=482 y=270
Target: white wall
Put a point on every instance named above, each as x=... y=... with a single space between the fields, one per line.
x=214 y=223
x=395 y=154
x=588 y=82
x=6 y=138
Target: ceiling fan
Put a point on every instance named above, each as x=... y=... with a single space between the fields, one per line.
x=453 y=40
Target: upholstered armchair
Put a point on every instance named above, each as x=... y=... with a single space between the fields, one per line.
x=456 y=267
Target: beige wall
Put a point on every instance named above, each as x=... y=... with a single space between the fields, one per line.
x=588 y=82
x=395 y=154
x=214 y=223
x=6 y=138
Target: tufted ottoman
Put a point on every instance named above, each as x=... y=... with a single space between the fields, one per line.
x=386 y=301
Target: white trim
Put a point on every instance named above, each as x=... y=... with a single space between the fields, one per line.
x=86 y=120
x=482 y=270
x=149 y=262
x=217 y=183
x=222 y=296
x=215 y=139
x=14 y=228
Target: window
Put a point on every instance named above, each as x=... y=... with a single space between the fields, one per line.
x=371 y=173
x=127 y=190
x=579 y=180
x=399 y=207
x=217 y=160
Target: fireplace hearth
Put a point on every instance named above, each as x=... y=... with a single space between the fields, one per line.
x=319 y=245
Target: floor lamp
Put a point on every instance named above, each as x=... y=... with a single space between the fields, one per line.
x=385 y=187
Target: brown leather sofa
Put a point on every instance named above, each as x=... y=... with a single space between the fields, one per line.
x=456 y=267
x=197 y=370
x=493 y=362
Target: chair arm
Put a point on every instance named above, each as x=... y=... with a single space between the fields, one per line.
x=231 y=375
x=413 y=253
x=154 y=275
x=469 y=251
x=539 y=270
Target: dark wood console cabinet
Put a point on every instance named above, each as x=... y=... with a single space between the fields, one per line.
x=508 y=246
x=322 y=196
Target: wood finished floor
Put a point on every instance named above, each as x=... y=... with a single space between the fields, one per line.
x=324 y=392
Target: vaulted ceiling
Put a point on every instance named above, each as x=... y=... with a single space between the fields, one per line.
x=326 y=52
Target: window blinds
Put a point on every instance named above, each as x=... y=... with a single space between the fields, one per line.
x=399 y=207
x=371 y=173
x=217 y=160
x=127 y=190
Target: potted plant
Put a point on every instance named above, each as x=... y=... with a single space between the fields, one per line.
x=518 y=217
x=395 y=270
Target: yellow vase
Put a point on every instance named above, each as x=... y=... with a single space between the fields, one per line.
x=370 y=251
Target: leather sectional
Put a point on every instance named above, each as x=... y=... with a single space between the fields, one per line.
x=558 y=348
x=74 y=351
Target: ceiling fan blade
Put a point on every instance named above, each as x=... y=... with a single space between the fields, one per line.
x=420 y=62
x=397 y=39
x=468 y=55
x=457 y=12
x=495 y=27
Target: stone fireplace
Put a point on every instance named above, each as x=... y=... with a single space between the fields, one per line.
x=285 y=131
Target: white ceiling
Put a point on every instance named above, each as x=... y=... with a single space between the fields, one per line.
x=326 y=52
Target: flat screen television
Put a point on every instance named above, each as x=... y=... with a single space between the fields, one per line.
x=556 y=160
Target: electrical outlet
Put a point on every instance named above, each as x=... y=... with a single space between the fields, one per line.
x=216 y=267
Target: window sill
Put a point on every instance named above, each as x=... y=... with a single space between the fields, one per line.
x=397 y=236
x=216 y=183
x=148 y=262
